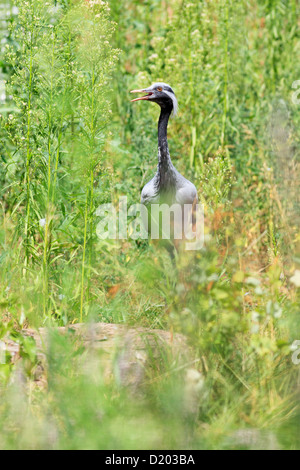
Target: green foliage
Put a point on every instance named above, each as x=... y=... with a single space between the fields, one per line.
x=55 y=141
x=216 y=180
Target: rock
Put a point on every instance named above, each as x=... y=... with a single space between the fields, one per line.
x=254 y=439
x=126 y=353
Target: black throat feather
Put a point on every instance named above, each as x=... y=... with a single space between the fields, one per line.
x=165 y=169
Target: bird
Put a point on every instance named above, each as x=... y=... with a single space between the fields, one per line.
x=167 y=186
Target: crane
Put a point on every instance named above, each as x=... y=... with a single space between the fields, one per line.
x=167 y=186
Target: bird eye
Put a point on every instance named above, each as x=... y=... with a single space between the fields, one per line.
x=159 y=88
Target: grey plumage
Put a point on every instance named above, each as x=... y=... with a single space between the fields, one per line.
x=168 y=185
x=181 y=190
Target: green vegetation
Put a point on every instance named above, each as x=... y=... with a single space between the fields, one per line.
x=71 y=140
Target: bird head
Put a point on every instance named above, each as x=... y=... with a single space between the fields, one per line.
x=159 y=93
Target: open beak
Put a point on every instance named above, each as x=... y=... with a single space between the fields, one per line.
x=146 y=97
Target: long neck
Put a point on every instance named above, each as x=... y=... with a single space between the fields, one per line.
x=164 y=160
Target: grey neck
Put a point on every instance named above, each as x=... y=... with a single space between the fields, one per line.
x=164 y=160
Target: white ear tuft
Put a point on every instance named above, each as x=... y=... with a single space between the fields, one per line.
x=175 y=105
x=174 y=100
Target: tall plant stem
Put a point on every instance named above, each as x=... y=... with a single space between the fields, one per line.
x=28 y=159
x=45 y=267
x=56 y=161
x=89 y=200
x=86 y=214
x=61 y=122
x=48 y=221
x=91 y=216
x=92 y=169
x=50 y=121
x=225 y=106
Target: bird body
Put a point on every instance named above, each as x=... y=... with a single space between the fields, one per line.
x=168 y=186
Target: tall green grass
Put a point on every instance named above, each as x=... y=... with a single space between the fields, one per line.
x=59 y=85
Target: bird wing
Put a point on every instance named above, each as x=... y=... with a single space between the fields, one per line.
x=149 y=193
x=187 y=194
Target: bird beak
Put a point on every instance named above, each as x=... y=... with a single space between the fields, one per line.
x=146 y=97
